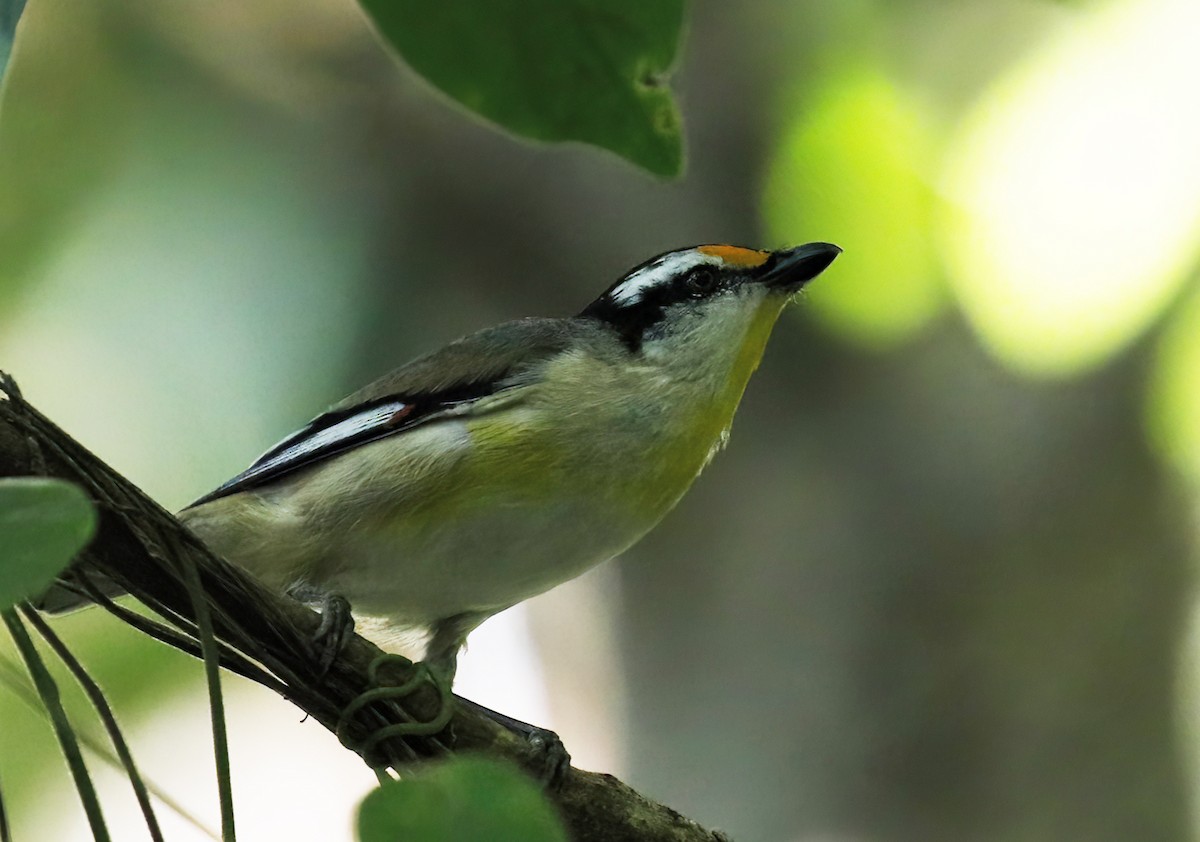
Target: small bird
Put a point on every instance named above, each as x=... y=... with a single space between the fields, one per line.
x=513 y=459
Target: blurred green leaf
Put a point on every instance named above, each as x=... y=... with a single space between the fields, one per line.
x=10 y=13
x=43 y=524
x=464 y=800
x=61 y=115
x=1173 y=408
x=552 y=70
x=851 y=167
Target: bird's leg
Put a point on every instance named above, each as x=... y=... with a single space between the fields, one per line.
x=337 y=623
x=441 y=655
x=441 y=652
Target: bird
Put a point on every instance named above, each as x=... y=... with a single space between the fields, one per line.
x=512 y=459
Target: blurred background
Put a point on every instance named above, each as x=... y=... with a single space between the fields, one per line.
x=940 y=586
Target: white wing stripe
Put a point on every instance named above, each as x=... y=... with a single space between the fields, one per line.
x=342 y=430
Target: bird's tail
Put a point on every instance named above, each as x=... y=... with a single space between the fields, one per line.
x=61 y=599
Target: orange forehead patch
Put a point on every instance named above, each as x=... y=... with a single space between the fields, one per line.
x=736 y=255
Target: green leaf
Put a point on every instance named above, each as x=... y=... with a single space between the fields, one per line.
x=464 y=800
x=552 y=70
x=43 y=524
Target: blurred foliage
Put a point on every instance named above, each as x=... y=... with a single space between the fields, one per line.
x=10 y=13
x=1174 y=403
x=43 y=524
x=463 y=800
x=65 y=202
x=854 y=160
x=1073 y=189
x=1060 y=203
x=39 y=200
x=586 y=70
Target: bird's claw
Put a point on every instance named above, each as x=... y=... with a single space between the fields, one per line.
x=551 y=755
x=548 y=758
x=334 y=631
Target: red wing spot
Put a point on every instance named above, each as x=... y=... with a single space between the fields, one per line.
x=400 y=414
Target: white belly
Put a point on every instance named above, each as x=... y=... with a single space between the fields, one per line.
x=482 y=561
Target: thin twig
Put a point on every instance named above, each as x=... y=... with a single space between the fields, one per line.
x=5 y=836
x=216 y=703
x=104 y=711
x=185 y=641
x=51 y=700
x=14 y=680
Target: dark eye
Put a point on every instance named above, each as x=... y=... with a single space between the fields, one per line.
x=702 y=280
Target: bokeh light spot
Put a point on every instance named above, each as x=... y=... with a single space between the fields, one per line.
x=1073 y=189
x=850 y=168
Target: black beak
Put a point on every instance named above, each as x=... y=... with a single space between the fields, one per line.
x=791 y=269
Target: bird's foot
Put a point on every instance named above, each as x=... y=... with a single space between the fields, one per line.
x=551 y=758
x=336 y=627
x=335 y=630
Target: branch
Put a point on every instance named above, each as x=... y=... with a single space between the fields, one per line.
x=267 y=637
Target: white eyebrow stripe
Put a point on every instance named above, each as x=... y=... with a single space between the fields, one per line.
x=670 y=266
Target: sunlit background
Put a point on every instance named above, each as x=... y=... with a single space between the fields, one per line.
x=940 y=587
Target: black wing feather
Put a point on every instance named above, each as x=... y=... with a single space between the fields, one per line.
x=325 y=436
x=459 y=373
x=341 y=429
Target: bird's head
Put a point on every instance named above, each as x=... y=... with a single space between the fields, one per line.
x=698 y=300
